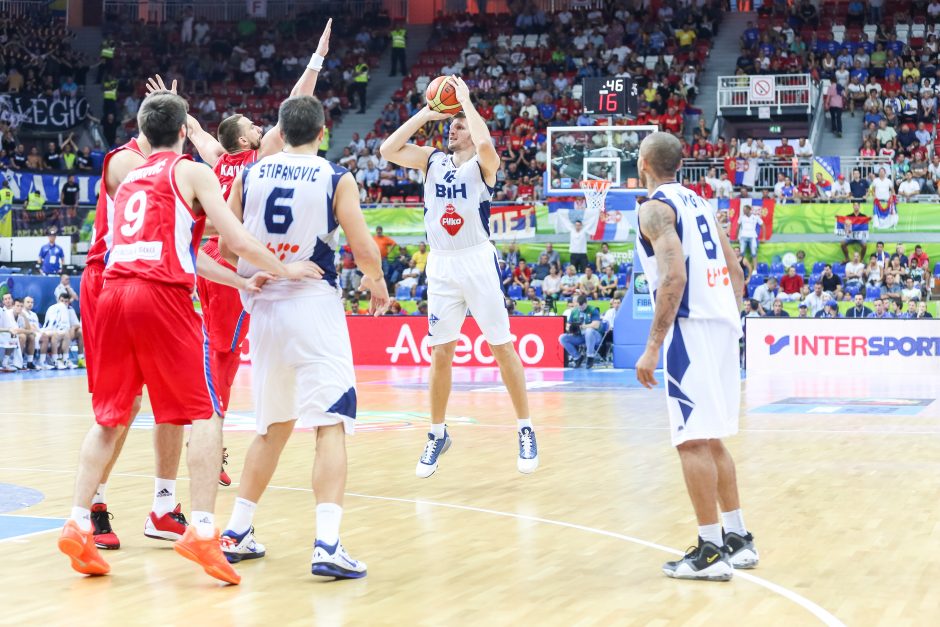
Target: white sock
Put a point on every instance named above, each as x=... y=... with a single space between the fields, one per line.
x=711 y=533
x=99 y=495
x=523 y=422
x=242 y=514
x=437 y=430
x=733 y=522
x=82 y=516
x=204 y=522
x=329 y=515
x=29 y=359
x=164 y=496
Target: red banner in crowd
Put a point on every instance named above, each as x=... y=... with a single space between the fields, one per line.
x=402 y=340
x=764 y=208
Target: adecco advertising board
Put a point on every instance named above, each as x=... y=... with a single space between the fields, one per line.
x=403 y=341
x=844 y=346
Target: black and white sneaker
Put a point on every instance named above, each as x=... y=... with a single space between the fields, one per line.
x=705 y=561
x=741 y=550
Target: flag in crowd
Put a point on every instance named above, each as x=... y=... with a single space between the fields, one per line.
x=512 y=222
x=852 y=227
x=885 y=215
x=764 y=207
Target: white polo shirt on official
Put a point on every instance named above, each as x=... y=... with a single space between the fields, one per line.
x=747 y=225
x=577 y=244
x=463 y=266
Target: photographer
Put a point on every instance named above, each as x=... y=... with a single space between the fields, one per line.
x=584 y=323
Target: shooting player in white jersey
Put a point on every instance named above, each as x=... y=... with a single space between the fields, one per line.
x=686 y=259
x=462 y=268
x=295 y=202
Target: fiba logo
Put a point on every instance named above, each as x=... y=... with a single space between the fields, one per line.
x=776 y=345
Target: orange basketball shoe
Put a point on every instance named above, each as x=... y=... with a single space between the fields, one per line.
x=207 y=553
x=80 y=547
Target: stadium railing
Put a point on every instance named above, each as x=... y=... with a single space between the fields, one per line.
x=236 y=10
x=768 y=168
x=780 y=90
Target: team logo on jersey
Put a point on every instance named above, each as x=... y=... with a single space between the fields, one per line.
x=451 y=220
x=432 y=320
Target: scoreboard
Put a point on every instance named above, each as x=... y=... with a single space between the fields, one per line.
x=610 y=96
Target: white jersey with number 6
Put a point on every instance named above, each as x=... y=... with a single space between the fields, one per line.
x=287 y=203
x=456 y=203
x=708 y=294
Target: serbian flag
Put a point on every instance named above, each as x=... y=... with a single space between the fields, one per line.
x=885 y=216
x=614 y=222
x=852 y=227
x=763 y=206
x=741 y=171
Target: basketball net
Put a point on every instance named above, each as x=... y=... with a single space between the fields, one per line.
x=595 y=195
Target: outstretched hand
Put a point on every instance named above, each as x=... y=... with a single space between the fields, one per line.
x=324 y=46
x=460 y=88
x=155 y=83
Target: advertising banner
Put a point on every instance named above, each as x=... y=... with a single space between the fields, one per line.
x=842 y=346
x=402 y=341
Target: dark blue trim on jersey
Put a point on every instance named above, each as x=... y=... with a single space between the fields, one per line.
x=499 y=275
x=483 y=178
x=324 y=257
x=338 y=172
x=238 y=330
x=684 y=304
x=346 y=405
x=677 y=363
x=661 y=197
x=485 y=216
x=216 y=403
x=245 y=187
x=427 y=168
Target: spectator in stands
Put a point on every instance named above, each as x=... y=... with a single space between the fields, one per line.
x=766 y=294
x=922 y=313
x=802 y=310
x=69 y=194
x=420 y=257
x=816 y=299
x=873 y=272
x=589 y=284
x=584 y=325
x=918 y=273
x=410 y=276
x=791 y=285
x=909 y=187
x=777 y=310
x=880 y=310
x=751 y=309
x=803 y=148
x=551 y=286
x=577 y=246
x=604 y=258
x=569 y=283
x=540 y=271
x=855 y=271
x=83 y=161
x=505 y=276
x=923 y=261
x=830 y=281
x=51 y=256
x=858 y=185
x=840 y=190
x=609 y=282
x=65 y=287
x=522 y=275
x=882 y=188
x=350 y=278
x=512 y=255
x=892 y=285
x=807 y=191
x=748 y=235
x=910 y=291
x=784 y=150
x=854 y=238
x=384 y=243
x=823 y=187
x=830 y=310
x=858 y=310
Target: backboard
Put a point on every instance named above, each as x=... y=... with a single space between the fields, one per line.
x=576 y=153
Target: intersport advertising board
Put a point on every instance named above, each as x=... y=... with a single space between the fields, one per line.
x=842 y=346
x=403 y=341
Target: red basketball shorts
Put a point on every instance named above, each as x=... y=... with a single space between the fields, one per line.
x=89 y=292
x=154 y=337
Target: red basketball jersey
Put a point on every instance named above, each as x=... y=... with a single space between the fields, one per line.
x=229 y=167
x=104 y=211
x=155 y=232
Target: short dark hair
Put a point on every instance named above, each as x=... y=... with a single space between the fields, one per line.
x=230 y=132
x=160 y=118
x=18 y=300
x=663 y=152
x=64 y=295
x=301 y=119
x=582 y=299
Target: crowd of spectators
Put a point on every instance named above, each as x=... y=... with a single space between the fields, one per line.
x=37 y=58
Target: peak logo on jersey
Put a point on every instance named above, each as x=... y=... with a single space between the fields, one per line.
x=715 y=274
x=282 y=249
x=777 y=345
x=451 y=220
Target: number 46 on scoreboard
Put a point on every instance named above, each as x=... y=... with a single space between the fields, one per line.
x=610 y=96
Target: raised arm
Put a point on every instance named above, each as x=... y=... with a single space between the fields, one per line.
x=396 y=148
x=208 y=147
x=364 y=249
x=658 y=225
x=272 y=142
x=479 y=132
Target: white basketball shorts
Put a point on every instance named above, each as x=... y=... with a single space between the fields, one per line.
x=703 y=379
x=465 y=279
x=301 y=362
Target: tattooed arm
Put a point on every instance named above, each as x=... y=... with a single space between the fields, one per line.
x=658 y=225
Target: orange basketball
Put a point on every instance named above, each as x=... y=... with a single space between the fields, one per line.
x=442 y=97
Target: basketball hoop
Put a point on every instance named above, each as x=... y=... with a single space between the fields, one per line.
x=595 y=194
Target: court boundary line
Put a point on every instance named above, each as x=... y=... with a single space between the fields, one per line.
x=816 y=610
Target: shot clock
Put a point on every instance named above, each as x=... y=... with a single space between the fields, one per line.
x=610 y=96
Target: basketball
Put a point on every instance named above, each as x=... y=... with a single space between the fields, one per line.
x=442 y=97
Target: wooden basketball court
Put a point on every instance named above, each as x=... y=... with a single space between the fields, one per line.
x=839 y=490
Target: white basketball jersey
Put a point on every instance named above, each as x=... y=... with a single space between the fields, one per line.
x=456 y=203
x=287 y=203
x=708 y=294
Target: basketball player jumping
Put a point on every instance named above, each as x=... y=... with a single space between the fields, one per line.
x=685 y=256
x=303 y=372
x=165 y=521
x=158 y=223
x=462 y=267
